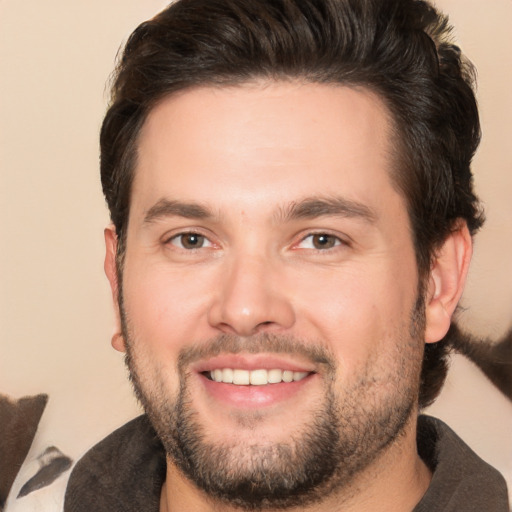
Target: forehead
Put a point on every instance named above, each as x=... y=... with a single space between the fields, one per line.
x=264 y=143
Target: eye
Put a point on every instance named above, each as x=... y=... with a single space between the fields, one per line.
x=190 y=241
x=320 y=241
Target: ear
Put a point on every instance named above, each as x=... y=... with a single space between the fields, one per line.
x=111 y=272
x=446 y=282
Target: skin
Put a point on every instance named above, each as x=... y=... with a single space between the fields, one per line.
x=247 y=154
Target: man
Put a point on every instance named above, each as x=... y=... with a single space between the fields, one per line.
x=292 y=211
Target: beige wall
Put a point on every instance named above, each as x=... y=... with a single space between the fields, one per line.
x=55 y=313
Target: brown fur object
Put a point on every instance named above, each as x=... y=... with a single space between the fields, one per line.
x=494 y=358
x=18 y=425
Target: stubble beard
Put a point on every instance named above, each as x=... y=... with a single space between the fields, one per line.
x=340 y=438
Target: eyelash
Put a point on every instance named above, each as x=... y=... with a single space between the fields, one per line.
x=189 y=234
x=336 y=240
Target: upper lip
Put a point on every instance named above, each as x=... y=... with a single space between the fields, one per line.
x=253 y=362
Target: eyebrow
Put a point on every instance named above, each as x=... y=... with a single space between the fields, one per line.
x=313 y=207
x=167 y=208
x=309 y=208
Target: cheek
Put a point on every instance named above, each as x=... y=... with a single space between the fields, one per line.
x=163 y=309
x=356 y=313
x=348 y=319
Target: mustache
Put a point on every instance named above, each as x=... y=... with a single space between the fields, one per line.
x=264 y=342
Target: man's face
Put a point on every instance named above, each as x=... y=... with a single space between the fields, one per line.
x=265 y=243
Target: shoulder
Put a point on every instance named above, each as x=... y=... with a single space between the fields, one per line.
x=123 y=472
x=461 y=480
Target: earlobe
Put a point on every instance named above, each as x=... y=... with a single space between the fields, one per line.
x=111 y=273
x=117 y=342
x=446 y=282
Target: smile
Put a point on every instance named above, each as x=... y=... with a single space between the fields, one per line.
x=259 y=377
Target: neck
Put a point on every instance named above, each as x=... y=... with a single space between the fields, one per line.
x=394 y=482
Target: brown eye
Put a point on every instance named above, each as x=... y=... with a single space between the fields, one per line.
x=320 y=242
x=324 y=241
x=190 y=241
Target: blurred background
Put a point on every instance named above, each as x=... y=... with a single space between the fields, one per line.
x=55 y=308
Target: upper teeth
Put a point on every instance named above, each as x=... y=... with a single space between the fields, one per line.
x=255 y=377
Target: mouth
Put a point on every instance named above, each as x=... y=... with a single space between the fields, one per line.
x=252 y=381
x=257 y=377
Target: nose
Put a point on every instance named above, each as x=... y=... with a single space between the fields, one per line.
x=251 y=298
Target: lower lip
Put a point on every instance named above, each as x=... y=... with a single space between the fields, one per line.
x=248 y=397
